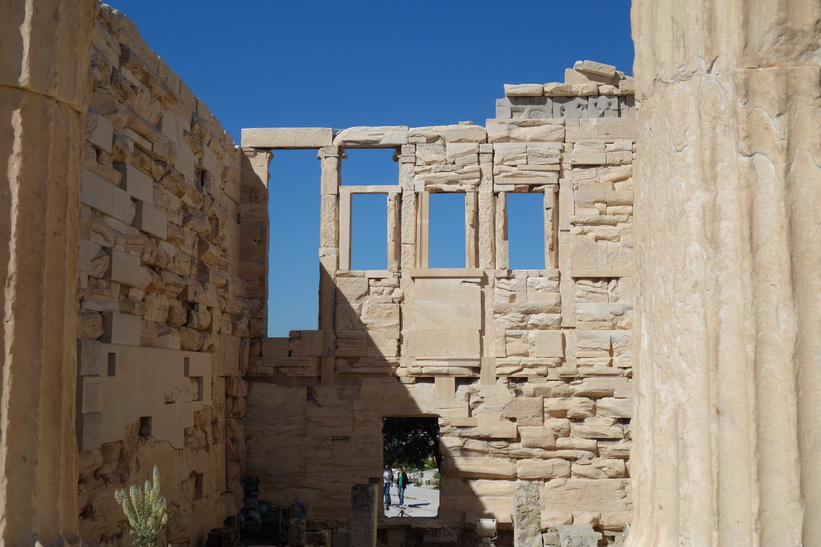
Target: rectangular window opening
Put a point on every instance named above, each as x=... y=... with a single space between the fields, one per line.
x=446 y=223
x=293 y=242
x=202 y=178
x=145 y=426
x=369 y=232
x=525 y=231
x=197 y=486
x=369 y=167
x=112 y=364
x=411 y=444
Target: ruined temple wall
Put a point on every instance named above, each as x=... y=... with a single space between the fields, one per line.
x=166 y=306
x=528 y=371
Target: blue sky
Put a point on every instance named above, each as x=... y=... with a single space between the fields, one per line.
x=339 y=64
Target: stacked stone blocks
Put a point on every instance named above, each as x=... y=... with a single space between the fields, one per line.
x=171 y=291
x=528 y=370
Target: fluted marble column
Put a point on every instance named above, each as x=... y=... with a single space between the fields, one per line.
x=728 y=208
x=44 y=92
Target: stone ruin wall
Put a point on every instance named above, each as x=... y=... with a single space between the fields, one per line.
x=168 y=299
x=528 y=371
x=726 y=181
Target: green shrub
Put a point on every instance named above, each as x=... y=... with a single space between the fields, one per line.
x=145 y=510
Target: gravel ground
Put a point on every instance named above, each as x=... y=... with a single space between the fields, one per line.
x=419 y=502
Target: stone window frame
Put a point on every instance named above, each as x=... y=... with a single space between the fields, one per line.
x=471 y=208
x=550 y=193
x=392 y=193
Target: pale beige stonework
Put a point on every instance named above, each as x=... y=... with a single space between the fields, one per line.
x=728 y=196
x=147 y=344
x=288 y=137
x=44 y=93
x=527 y=371
x=170 y=295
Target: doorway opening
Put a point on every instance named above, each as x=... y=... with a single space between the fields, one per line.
x=411 y=456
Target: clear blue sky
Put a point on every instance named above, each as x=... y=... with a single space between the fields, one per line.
x=274 y=63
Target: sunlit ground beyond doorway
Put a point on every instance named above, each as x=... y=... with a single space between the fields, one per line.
x=411 y=445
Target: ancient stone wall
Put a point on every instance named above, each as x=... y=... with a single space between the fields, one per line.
x=167 y=303
x=527 y=371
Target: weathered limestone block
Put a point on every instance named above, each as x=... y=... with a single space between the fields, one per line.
x=598 y=69
x=604 y=106
x=559 y=89
x=598 y=428
x=538 y=437
x=287 y=137
x=598 y=468
x=90 y=324
x=463 y=153
x=430 y=154
x=386 y=136
x=121 y=329
x=485 y=468
x=615 y=449
x=608 y=495
x=447 y=133
x=127 y=269
x=570 y=107
x=104 y=196
x=150 y=219
x=549 y=344
x=523 y=90
x=577 y=536
x=498 y=132
x=614 y=408
x=574 y=408
x=527 y=522
x=554 y=468
x=528 y=411
x=136 y=183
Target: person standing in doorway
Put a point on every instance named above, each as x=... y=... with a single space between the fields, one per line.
x=402 y=483
x=387 y=479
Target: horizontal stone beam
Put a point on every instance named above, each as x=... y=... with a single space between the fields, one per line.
x=287 y=137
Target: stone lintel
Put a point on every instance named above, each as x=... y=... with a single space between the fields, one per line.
x=445 y=272
x=287 y=137
x=602 y=272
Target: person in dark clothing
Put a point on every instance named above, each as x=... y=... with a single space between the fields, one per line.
x=402 y=483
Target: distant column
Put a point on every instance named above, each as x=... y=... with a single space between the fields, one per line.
x=728 y=420
x=330 y=158
x=44 y=94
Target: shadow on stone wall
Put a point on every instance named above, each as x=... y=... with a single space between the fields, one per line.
x=315 y=430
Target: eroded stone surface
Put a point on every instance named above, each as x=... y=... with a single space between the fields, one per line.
x=731 y=405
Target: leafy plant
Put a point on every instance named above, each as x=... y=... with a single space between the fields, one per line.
x=411 y=441
x=145 y=510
